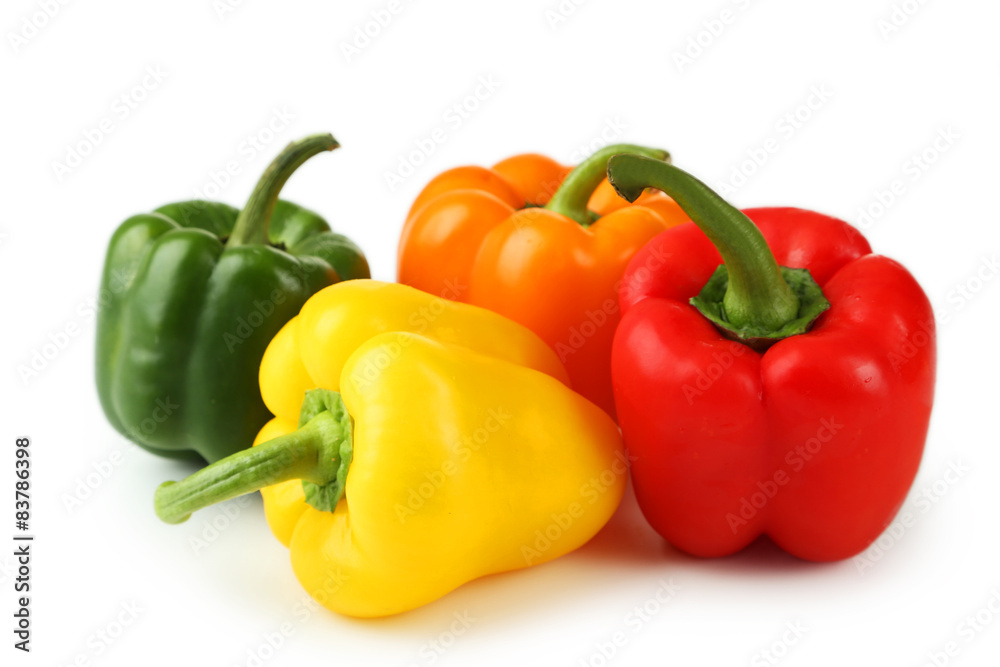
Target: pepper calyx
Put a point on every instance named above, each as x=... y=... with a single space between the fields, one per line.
x=319 y=453
x=336 y=451
x=812 y=304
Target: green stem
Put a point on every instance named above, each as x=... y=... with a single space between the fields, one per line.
x=572 y=196
x=252 y=222
x=757 y=297
x=319 y=453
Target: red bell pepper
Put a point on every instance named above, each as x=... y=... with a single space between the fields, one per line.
x=761 y=399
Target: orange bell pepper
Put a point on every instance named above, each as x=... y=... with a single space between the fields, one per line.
x=541 y=244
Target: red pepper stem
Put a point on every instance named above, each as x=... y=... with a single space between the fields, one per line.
x=310 y=454
x=757 y=294
x=572 y=196
x=252 y=223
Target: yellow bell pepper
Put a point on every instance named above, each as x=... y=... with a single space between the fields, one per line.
x=453 y=450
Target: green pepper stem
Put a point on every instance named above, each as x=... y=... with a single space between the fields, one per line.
x=309 y=454
x=252 y=223
x=757 y=294
x=572 y=196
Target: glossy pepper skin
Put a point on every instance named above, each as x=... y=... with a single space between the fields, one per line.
x=191 y=294
x=814 y=440
x=540 y=244
x=467 y=454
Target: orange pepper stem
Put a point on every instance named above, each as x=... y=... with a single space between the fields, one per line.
x=252 y=223
x=572 y=196
x=319 y=453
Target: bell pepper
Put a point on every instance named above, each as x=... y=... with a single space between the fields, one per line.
x=520 y=239
x=440 y=446
x=190 y=296
x=772 y=375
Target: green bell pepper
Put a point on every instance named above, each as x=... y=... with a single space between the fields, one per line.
x=191 y=295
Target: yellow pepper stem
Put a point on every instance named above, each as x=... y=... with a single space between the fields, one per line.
x=319 y=454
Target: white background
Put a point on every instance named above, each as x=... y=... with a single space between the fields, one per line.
x=609 y=67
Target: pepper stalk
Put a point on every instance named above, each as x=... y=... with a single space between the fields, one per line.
x=576 y=189
x=319 y=453
x=749 y=297
x=252 y=223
